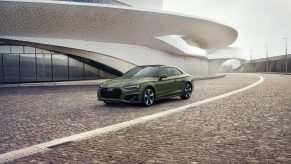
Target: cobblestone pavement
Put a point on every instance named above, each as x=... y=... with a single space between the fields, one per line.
x=39 y=114
x=253 y=126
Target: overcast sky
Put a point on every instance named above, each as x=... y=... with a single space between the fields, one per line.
x=258 y=22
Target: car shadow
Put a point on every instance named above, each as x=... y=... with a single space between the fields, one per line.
x=126 y=105
x=167 y=100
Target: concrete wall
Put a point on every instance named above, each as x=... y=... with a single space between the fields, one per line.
x=214 y=65
x=99 y=23
x=273 y=64
x=148 y=4
x=135 y=55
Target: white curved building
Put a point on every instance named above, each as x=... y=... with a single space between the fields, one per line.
x=52 y=40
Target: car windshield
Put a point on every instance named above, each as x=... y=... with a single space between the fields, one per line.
x=149 y=71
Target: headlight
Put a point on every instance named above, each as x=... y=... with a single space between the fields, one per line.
x=101 y=85
x=132 y=87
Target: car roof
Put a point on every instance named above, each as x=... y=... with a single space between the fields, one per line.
x=161 y=66
x=151 y=65
x=157 y=66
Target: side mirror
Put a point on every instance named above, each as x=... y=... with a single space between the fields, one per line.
x=163 y=76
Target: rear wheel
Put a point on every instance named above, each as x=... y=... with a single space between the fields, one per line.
x=187 y=91
x=148 y=96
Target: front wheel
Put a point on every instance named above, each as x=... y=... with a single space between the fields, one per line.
x=148 y=97
x=187 y=91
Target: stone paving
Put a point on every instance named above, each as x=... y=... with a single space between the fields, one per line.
x=38 y=114
x=250 y=127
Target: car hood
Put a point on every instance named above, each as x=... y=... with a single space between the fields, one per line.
x=125 y=81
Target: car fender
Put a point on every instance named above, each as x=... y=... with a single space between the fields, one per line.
x=147 y=84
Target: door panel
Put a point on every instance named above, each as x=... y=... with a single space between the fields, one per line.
x=172 y=85
x=180 y=83
x=164 y=87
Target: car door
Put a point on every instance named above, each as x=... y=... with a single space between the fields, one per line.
x=179 y=81
x=164 y=87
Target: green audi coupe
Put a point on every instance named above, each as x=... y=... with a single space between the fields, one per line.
x=146 y=84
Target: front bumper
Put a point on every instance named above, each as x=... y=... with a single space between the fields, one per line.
x=127 y=96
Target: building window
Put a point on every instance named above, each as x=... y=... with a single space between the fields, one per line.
x=1 y=69
x=29 y=50
x=17 y=49
x=106 y=75
x=91 y=72
x=5 y=49
x=38 y=65
x=27 y=67
x=60 y=67
x=11 y=67
x=111 y=2
x=76 y=71
x=44 y=67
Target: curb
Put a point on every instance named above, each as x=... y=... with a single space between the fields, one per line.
x=279 y=73
x=209 y=77
x=53 y=84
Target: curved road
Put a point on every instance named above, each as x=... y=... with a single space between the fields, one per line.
x=251 y=126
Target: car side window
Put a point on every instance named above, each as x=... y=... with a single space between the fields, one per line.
x=166 y=71
x=176 y=72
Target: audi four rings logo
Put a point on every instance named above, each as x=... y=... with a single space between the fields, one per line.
x=109 y=89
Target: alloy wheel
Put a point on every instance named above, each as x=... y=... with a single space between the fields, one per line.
x=188 y=90
x=149 y=96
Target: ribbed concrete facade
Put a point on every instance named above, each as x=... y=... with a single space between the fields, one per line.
x=116 y=36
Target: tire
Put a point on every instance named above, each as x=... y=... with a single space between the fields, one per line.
x=108 y=102
x=187 y=91
x=148 y=96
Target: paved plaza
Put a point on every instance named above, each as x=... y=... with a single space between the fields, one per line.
x=251 y=126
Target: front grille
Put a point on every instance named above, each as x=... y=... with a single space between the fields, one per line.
x=113 y=93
